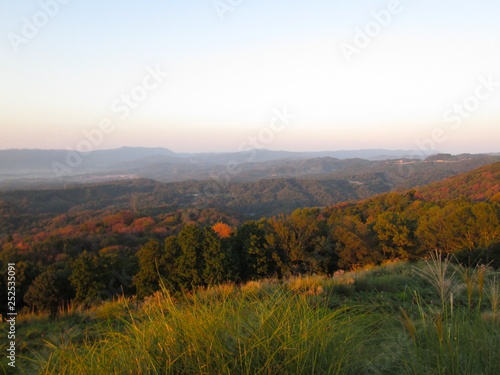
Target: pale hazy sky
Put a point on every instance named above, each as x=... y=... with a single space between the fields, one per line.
x=428 y=70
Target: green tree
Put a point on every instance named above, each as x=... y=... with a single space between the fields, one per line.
x=169 y=260
x=147 y=280
x=355 y=243
x=486 y=223
x=395 y=235
x=439 y=229
x=191 y=263
x=252 y=252
x=215 y=258
x=26 y=272
x=458 y=225
x=302 y=236
x=45 y=293
x=87 y=278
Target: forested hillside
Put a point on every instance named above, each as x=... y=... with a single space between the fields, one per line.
x=264 y=197
x=89 y=243
x=481 y=184
x=31 y=169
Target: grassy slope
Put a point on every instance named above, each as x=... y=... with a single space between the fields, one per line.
x=385 y=320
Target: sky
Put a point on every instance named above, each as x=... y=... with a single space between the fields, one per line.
x=228 y=75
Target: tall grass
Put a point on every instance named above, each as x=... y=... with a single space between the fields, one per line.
x=239 y=333
x=493 y=295
x=450 y=340
x=292 y=327
x=458 y=344
x=442 y=275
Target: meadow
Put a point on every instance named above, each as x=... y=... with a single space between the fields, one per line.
x=429 y=317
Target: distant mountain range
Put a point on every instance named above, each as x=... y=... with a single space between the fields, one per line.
x=259 y=188
x=37 y=163
x=46 y=163
x=393 y=169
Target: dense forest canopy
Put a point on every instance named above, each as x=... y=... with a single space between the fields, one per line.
x=90 y=243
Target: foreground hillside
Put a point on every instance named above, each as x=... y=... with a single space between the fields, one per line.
x=427 y=318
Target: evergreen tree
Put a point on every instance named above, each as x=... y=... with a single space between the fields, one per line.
x=147 y=280
x=169 y=261
x=86 y=278
x=215 y=258
x=252 y=252
x=190 y=264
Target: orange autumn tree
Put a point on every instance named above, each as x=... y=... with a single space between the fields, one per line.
x=223 y=230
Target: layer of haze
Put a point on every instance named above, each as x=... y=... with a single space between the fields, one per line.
x=229 y=73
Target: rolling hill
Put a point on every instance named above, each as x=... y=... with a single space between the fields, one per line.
x=479 y=185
